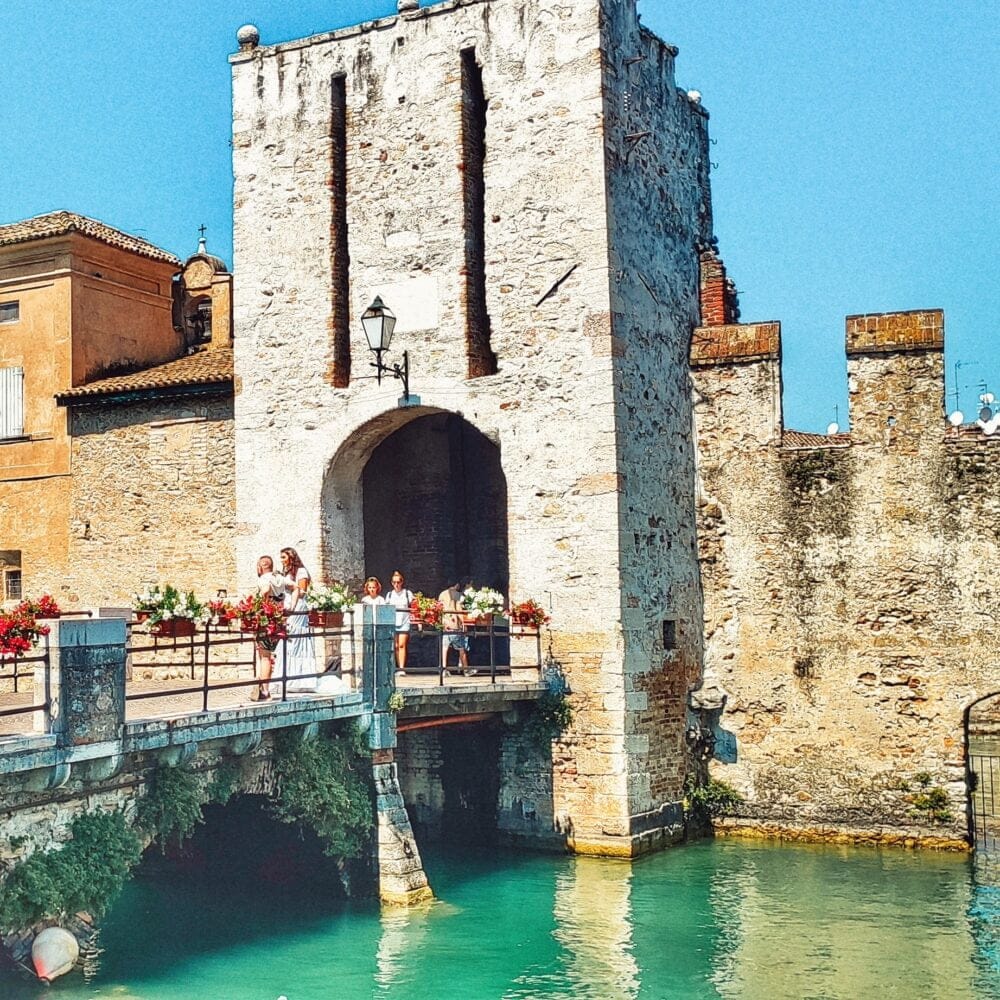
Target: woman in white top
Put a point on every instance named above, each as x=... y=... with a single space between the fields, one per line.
x=372 y=591
x=400 y=598
x=295 y=653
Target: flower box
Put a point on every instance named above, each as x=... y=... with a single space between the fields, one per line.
x=44 y=607
x=529 y=614
x=173 y=628
x=326 y=619
x=425 y=611
x=525 y=621
x=141 y=616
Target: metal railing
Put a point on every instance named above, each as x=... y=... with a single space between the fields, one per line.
x=492 y=640
x=984 y=774
x=11 y=669
x=197 y=651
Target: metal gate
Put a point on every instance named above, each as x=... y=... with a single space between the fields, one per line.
x=982 y=757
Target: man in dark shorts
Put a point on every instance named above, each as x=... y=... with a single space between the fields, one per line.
x=454 y=628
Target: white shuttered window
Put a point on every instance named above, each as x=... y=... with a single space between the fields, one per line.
x=11 y=402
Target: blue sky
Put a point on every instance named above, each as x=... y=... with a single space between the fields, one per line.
x=856 y=149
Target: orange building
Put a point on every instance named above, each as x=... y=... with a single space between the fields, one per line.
x=81 y=306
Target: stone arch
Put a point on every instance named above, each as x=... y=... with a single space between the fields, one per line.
x=420 y=489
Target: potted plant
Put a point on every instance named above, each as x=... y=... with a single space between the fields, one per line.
x=529 y=614
x=44 y=607
x=327 y=604
x=168 y=612
x=481 y=604
x=221 y=612
x=19 y=631
x=262 y=615
x=425 y=611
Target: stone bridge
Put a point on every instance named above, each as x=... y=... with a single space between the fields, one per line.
x=91 y=747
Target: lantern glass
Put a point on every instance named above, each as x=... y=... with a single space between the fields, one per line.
x=378 y=321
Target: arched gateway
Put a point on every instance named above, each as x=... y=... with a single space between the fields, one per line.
x=420 y=490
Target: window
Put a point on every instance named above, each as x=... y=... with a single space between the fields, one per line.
x=10 y=574
x=669 y=633
x=11 y=402
x=10 y=312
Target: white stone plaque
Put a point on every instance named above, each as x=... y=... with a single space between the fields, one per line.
x=414 y=300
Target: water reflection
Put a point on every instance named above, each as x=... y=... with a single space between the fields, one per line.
x=592 y=907
x=842 y=923
x=984 y=922
x=709 y=920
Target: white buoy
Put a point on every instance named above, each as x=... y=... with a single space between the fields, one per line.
x=54 y=953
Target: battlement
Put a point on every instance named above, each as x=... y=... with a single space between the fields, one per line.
x=895 y=366
x=734 y=342
x=884 y=333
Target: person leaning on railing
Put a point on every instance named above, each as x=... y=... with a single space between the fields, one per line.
x=454 y=628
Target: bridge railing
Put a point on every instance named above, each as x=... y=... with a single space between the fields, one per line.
x=182 y=660
x=494 y=646
x=26 y=683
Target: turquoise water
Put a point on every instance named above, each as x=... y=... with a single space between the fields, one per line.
x=713 y=919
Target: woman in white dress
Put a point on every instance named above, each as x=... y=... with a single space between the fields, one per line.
x=295 y=655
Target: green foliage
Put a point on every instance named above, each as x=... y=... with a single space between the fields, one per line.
x=322 y=784
x=90 y=870
x=396 y=701
x=85 y=874
x=172 y=804
x=930 y=804
x=547 y=719
x=224 y=783
x=716 y=798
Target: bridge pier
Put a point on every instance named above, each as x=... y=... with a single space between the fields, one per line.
x=401 y=877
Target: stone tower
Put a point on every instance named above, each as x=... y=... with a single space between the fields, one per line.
x=524 y=186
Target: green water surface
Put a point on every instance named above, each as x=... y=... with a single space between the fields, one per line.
x=712 y=919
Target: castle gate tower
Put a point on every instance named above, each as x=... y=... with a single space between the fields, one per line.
x=524 y=187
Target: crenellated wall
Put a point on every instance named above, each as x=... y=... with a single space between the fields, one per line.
x=849 y=609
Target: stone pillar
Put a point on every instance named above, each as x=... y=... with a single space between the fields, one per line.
x=88 y=680
x=895 y=377
x=378 y=662
x=401 y=877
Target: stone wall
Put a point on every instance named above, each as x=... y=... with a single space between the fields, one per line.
x=588 y=405
x=848 y=604
x=656 y=151
x=420 y=763
x=445 y=771
x=152 y=500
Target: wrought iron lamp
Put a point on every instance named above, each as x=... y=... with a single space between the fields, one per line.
x=379 y=321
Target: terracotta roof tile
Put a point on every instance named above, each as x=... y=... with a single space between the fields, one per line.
x=204 y=368
x=60 y=223
x=804 y=439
